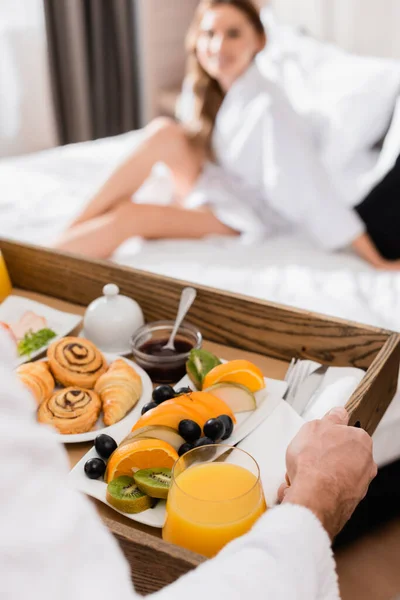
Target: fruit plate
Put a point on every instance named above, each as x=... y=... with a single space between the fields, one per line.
x=267 y=401
x=62 y=323
x=117 y=431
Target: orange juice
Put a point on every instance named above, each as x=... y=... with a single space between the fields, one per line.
x=211 y=504
x=5 y=283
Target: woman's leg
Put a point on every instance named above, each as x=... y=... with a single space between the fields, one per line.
x=99 y=237
x=165 y=141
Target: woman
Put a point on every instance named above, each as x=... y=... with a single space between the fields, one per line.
x=241 y=160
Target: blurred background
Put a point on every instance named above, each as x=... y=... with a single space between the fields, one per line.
x=83 y=69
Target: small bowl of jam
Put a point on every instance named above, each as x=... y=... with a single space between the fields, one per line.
x=164 y=366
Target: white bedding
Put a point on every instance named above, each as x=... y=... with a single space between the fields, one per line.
x=41 y=193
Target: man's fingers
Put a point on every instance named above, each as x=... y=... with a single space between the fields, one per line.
x=339 y=416
x=282 y=491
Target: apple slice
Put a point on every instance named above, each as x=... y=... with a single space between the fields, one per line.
x=238 y=397
x=158 y=432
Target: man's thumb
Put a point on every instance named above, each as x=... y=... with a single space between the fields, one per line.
x=339 y=416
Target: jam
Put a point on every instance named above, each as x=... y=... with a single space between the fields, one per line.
x=173 y=370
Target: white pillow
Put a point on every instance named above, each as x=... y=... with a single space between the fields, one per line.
x=349 y=99
x=357 y=95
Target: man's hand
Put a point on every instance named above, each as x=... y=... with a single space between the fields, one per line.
x=329 y=468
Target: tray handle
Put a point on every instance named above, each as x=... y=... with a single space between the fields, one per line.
x=372 y=397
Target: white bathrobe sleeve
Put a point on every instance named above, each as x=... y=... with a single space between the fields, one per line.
x=54 y=545
x=296 y=182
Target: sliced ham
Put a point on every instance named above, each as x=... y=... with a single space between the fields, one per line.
x=28 y=322
x=8 y=330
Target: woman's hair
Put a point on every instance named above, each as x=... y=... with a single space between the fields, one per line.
x=208 y=93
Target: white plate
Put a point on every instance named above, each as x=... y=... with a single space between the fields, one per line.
x=267 y=401
x=117 y=431
x=62 y=323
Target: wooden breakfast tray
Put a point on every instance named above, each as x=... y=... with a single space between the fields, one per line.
x=233 y=326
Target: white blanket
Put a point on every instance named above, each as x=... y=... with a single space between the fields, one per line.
x=42 y=193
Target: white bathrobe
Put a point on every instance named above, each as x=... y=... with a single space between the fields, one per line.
x=53 y=544
x=268 y=175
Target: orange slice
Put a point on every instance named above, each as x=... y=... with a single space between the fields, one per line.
x=199 y=413
x=140 y=454
x=236 y=371
x=169 y=415
x=203 y=411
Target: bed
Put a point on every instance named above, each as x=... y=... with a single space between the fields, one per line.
x=42 y=193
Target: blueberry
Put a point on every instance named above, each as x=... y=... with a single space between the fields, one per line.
x=105 y=445
x=204 y=441
x=95 y=468
x=183 y=390
x=227 y=421
x=189 y=430
x=209 y=451
x=148 y=406
x=163 y=393
x=185 y=448
x=214 y=429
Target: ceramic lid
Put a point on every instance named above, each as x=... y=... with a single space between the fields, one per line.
x=111 y=320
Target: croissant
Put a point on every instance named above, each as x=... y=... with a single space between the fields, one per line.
x=119 y=389
x=38 y=379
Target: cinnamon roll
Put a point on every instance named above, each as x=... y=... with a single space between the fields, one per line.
x=76 y=361
x=72 y=410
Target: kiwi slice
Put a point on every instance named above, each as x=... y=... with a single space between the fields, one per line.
x=124 y=495
x=199 y=363
x=154 y=482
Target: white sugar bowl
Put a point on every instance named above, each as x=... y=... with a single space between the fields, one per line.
x=111 y=320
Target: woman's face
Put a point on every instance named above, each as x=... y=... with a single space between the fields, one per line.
x=227 y=43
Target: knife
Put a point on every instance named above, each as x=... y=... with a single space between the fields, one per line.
x=307 y=389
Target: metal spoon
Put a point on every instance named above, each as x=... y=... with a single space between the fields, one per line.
x=187 y=298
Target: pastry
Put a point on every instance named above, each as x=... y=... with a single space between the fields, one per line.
x=119 y=389
x=72 y=410
x=76 y=361
x=38 y=379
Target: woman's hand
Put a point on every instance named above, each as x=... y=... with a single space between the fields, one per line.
x=389 y=265
x=365 y=248
x=329 y=469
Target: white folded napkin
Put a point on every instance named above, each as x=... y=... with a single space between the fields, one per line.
x=268 y=444
x=337 y=386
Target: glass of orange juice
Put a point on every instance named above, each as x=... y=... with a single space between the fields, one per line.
x=215 y=497
x=5 y=282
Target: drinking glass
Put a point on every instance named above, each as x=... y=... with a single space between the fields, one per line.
x=5 y=282
x=215 y=496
